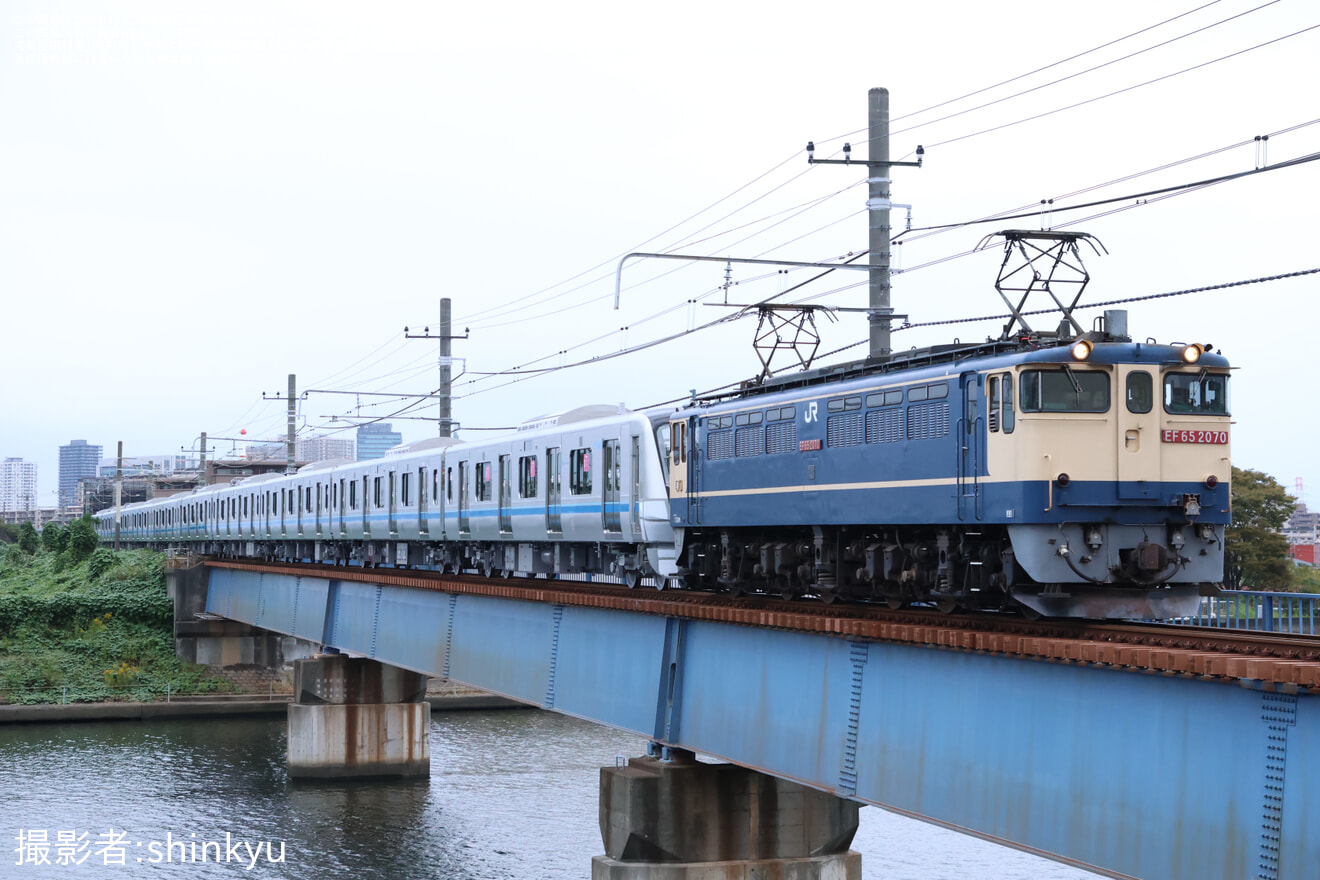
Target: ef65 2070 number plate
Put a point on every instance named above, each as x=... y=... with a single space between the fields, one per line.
x=1173 y=435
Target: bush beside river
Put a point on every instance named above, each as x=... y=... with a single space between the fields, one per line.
x=91 y=629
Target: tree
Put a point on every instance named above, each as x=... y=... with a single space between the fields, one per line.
x=82 y=538
x=8 y=534
x=28 y=541
x=53 y=538
x=1255 y=551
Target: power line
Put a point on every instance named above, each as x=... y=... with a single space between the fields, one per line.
x=1122 y=90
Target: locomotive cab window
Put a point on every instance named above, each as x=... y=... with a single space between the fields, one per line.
x=992 y=403
x=1197 y=394
x=1065 y=390
x=1140 y=392
x=1006 y=411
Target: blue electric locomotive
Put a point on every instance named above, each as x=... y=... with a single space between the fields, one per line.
x=1082 y=479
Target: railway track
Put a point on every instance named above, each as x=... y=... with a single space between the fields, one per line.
x=1277 y=661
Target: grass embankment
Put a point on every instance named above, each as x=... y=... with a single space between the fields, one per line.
x=96 y=630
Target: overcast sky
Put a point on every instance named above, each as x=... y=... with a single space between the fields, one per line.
x=197 y=200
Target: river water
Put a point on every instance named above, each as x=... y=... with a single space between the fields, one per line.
x=512 y=794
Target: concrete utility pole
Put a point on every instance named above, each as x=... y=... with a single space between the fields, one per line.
x=877 y=205
x=119 y=490
x=201 y=463
x=446 y=362
x=293 y=423
x=446 y=373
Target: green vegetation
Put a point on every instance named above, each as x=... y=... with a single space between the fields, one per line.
x=1255 y=551
x=82 y=625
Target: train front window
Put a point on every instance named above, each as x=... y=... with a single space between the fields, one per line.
x=1140 y=391
x=1065 y=390
x=1197 y=394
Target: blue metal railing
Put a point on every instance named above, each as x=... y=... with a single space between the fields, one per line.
x=1264 y=612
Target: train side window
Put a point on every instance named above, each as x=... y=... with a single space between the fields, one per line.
x=527 y=476
x=844 y=404
x=917 y=393
x=352 y=495
x=403 y=488
x=992 y=403
x=435 y=484
x=1140 y=392
x=375 y=492
x=935 y=392
x=579 y=477
x=1065 y=390
x=449 y=484
x=483 y=481
x=1006 y=414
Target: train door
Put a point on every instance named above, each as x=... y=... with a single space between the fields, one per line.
x=554 y=487
x=393 y=504
x=679 y=482
x=1138 y=444
x=366 y=507
x=464 y=500
x=610 y=493
x=422 y=489
x=969 y=447
x=506 y=495
x=343 y=506
x=635 y=503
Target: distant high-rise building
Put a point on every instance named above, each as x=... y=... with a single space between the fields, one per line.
x=324 y=448
x=18 y=484
x=77 y=460
x=374 y=438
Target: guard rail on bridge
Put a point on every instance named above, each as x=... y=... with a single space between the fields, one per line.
x=1264 y=612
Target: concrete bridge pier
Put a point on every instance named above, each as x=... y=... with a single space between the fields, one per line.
x=352 y=716
x=679 y=819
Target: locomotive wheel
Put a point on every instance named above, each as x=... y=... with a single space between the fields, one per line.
x=894 y=602
x=736 y=589
x=784 y=588
x=828 y=595
x=632 y=578
x=946 y=606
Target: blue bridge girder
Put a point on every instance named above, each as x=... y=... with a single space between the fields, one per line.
x=1127 y=774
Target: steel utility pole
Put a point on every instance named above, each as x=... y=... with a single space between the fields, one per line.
x=446 y=363
x=877 y=205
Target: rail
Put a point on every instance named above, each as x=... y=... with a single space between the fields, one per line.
x=1262 y=612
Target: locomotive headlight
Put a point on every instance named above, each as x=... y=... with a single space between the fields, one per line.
x=1192 y=353
x=1082 y=349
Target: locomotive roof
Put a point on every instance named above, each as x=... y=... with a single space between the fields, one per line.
x=988 y=354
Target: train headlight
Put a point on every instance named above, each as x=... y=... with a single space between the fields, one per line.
x=1192 y=353
x=1082 y=349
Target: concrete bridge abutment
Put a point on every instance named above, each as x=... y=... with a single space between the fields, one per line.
x=357 y=717
x=684 y=820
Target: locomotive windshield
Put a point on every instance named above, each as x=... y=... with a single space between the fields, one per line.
x=1064 y=390
x=1198 y=395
